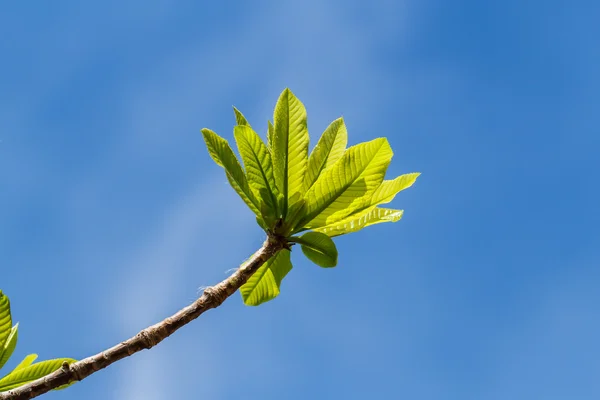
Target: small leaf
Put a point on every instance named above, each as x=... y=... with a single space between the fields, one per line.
x=222 y=154
x=5 y=318
x=9 y=345
x=319 y=248
x=269 y=215
x=22 y=376
x=382 y=195
x=259 y=168
x=290 y=146
x=357 y=174
x=356 y=222
x=329 y=149
x=389 y=189
x=296 y=213
x=239 y=118
x=27 y=361
x=261 y=223
x=264 y=284
x=270 y=136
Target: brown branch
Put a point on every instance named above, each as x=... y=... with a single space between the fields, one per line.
x=212 y=297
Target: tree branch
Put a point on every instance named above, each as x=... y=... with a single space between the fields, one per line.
x=212 y=297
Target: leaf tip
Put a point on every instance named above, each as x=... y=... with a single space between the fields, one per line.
x=287 y=92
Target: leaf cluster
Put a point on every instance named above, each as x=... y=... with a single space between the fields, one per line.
x=27 y=370
x=331 y=191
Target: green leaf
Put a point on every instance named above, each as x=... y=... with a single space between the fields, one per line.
x=269 y=214
x=239 y=118
x=5 y=318
x=356 y=222
x=319 y=248
x=296 y=213
x=290 y=146
x=259 y=168
x=261 y=223
x=30 y=373
x=382 y=195
x=264 y=284
x=27 y=361
x=358 y=173
x=329 y=149
x=389 y=189
x=222 y=154
x=9 y=345
x=270 y=136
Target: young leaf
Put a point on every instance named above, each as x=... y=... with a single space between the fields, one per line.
x=239 y=118
x=222 y=154
x=358 y=173
x=269 y=214
x=27 y=361
x=5 y=318
x=264 y=284
x=329 y=149
x=319 y=248
x=270 y=136
x=9 y=345
x=382 y=195
x=389 y=189
x=19 y=377
x=295 y=214
x=290 y=146
x=259 y=168
x=356 y=222
x=262 y=223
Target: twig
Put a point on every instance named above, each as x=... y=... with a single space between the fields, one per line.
x=211 y=298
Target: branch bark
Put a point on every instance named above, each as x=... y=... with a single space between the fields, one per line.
x=212 y=297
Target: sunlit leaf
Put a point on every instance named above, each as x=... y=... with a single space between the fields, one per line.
x=358 y=173
x=261 y=223
x=356 y=222
x=222 y=154
x=270 y=136
x=269 y=214
x=30 y=373
x=9 y=345
x=264 y=284
x=296 y=212
x=329 y=149
x=319 y=248
x=5 y=318
x=290 y=146
x=239 y=117
x=389 y=189
x=27 y=361
x=259 y=168
x=382 y=195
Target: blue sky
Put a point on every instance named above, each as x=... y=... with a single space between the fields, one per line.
x=113 y=215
